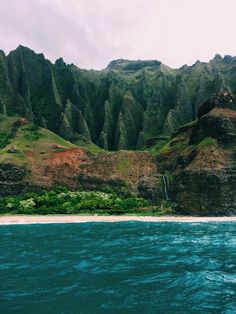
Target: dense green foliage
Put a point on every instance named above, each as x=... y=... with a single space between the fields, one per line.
x=8 y=128
x=4 y=140
x=62 y=201
x=32 y=132
x=121 y=107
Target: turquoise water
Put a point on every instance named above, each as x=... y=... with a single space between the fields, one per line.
x=128 y=267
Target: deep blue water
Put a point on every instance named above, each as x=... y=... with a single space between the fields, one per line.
x=128 y=267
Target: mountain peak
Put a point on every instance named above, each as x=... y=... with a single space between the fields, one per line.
x=60 y=62
x=217 y=57
x=21 y=47
x=129 y=65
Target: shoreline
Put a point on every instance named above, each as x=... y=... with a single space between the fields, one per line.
x=24 y=219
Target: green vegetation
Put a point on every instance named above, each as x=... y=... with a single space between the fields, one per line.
x=27 y=136
x=32 y=132
x=8 y=128
x=18 y=137
x=4 y=140
x=37 y=139
x=88 y=145
x=117 y=108
x=179 y=144
x=208 y=141
x=170 y=146
x=62 y=201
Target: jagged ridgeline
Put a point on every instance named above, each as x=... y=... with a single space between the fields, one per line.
x=120 y=107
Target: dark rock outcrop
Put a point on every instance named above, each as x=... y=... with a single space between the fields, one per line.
x=205 y=192
x=221 y=100
x=217 y=119
x=207 y=185
x=12 y=179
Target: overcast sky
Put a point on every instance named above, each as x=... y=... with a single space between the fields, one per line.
x=91 y=33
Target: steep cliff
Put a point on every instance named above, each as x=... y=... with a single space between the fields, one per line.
x=199 y=160
x=121 y=107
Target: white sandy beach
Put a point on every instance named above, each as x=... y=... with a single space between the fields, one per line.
x=6 y=220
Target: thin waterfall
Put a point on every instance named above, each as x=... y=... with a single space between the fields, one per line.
x=166 y=189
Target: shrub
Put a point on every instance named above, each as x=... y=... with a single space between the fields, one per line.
x=32 y=132
x=32 y=136
x=62 y=201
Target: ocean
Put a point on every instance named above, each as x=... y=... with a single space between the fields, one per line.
x=121 y=267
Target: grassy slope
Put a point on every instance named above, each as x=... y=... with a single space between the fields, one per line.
x=88 y=145
x=29 y=138
x=26 y=139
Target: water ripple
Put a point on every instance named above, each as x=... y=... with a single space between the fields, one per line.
x=129 y=267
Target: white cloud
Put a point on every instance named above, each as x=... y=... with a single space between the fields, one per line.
x=90 y=33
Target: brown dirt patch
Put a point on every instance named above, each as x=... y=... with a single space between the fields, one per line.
x=228 y=113
x=210 y=158
x=65 y=167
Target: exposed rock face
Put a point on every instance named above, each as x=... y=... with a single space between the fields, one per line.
x=207 y=185
x=206 y=192
x=223 y=100
x=12 y=179
x=219 y=124
x=132 y=171
x=75 y=168
x=217 y=120
x=120 y=107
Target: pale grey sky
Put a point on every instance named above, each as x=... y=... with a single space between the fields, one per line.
x=91 y=33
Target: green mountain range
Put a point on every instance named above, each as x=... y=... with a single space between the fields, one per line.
x=137 y=127
x=124 y=106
